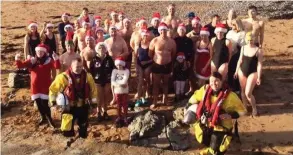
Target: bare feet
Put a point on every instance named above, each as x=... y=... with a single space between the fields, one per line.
x=254 y=112
x=153 y=106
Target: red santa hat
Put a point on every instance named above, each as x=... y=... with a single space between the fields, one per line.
x=120 y=61
x=181 y=26
x=68 y=26
x=156 y=16
x=195 y=20
x=180 y=55
x=126 y=20
x=41 y=47
x=121 y=14
x=86 y=21
x=99 y=29
x=204 y=31
x=98 y=19
x=220 y=28
x=89 y=35
x=65 y=14
x=31 y=24
x=69 y=37
x=144 y=32
x=50 y=25
x=112 y=27
x=163 y=26
x=113 y=12
x=142 y=20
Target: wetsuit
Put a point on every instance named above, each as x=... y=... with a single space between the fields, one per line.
x=221 y=52
x=154 y=31
x=143 y=56
x=249 y=64
x=33 y=44
x=101 y=70
x=51 y=43
x=185 y=45
x=179 y=74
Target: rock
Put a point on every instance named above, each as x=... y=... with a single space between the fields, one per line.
x=41 y=152
x=178 y=114
x=145 y=125
x=178 y=136
x=18 y=80
x=163 y=141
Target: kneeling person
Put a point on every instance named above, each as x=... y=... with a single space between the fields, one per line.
x=79 y=87
x=217 y=106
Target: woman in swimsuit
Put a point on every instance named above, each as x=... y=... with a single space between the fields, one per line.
x=203 y=56
x=50 y=39
x=222 y=49
x=249 y=69
x=31 y=40
x=144 y=63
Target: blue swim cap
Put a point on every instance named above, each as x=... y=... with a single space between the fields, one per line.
x=191 y=14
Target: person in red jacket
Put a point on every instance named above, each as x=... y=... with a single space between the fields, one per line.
x=40 y=68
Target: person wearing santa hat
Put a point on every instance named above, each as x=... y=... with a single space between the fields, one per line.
x=136 y=35
x=222 y=51
x=143 y=67
x=172 y=33
x=40 y=68
x=114 y=18
x=121 y=17
x=171 y=16
x=80 y=35
x=162 y=50
x=126 y=33
x=87 y=54
x=190 y=16
x=99 y=31
x=31 y=40
x=116 y=44
x=67 y=57
x=212 y=25
x=49 y=38
x=203 y=57
x=61 y=29
x=185 y=45
x=101 y=68
x=85 y=17
x=155 y=24
x=196 y=26
x=180 y=75
x=119 y=82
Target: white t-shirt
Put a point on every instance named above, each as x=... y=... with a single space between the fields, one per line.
x=236 y=39
x=119 y=78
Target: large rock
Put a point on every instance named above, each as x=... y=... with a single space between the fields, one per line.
x=145 y=125
x=178 y=114
x=178 y=136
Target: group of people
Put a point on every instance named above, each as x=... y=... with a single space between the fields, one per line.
x=94 y=65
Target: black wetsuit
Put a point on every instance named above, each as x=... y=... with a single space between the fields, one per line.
x=232 y=82
x=51 y=43
x=221 y=52
x=185 y=45
x=101 y=70
x=249 y=64
x=33 y=44
x=143 y=56
x=178 y=73
x=63 y=34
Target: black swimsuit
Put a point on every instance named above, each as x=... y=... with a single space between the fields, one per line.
x=221 y=52
x=33 y=44
x=143 y=56
x=249 y=64
x=51 y=43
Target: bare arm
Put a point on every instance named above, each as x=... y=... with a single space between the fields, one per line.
x=42 y=33
x=125 y=52
x=26 y=46
x=152 y=48
x=259 y=64
x=132 y=41
x=57 y=44
x=229 y=45
x=261 y=37
x=240 y=60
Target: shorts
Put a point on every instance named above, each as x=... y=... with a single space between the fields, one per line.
x=162 y=69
